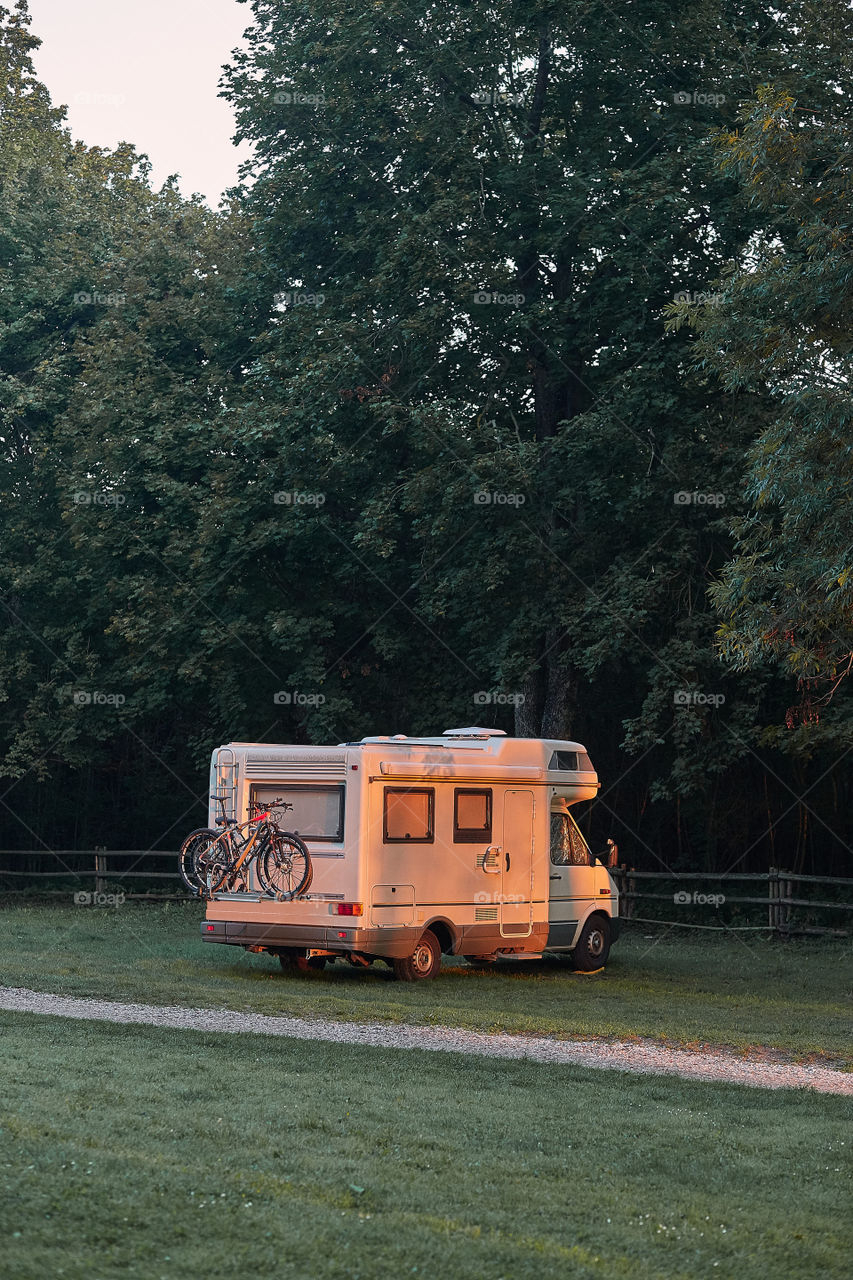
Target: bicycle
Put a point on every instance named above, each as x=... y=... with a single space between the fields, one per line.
x=209 y=860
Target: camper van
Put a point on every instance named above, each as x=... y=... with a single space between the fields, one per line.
x=462 y=844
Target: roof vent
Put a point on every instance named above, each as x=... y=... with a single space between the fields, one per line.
x=473 y=731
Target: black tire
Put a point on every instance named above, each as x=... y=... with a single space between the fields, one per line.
x=424 y=962
x=284 y=868
x=593 y=946
x=214 y=864
x=187 y=857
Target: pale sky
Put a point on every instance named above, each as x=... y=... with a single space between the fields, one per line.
x=146 y=72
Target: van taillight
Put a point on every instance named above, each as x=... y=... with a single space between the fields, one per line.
x=347 y=909
x=209 y=928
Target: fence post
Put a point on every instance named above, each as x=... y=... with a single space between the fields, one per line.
x=789 y=893
x=772 y=894
x=100 y=869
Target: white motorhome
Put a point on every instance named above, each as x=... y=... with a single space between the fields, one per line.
x=463 y=844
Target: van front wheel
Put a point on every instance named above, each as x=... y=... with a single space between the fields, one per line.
x=593 y=946
x=424 y=962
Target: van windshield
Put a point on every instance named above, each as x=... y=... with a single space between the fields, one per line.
x=567 y=844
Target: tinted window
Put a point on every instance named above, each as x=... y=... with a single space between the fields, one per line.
x=565 y=760
x=409 y=814
x=472 y=816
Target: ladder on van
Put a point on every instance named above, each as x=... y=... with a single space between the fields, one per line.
x=223 y=780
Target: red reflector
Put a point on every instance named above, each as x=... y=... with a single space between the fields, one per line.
x=210 y=927
x=607 y=891
x=342 y=933
x=348 y=909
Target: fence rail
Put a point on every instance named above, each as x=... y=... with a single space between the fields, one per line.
x=778 y=900
x=90 y=865
x=784 y=908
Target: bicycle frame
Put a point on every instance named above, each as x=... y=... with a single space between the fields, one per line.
x=249 y=846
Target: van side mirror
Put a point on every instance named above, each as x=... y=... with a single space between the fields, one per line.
x=610 y=854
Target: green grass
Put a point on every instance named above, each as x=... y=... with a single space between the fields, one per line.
x=741 y=991
x=136 y=1151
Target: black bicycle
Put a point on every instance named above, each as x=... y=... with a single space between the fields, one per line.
x=213 y=860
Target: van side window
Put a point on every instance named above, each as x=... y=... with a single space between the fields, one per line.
x=409 y=815
x=472 y=816
x=568 y=848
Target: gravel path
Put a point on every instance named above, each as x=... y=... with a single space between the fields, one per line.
x=645 y=1059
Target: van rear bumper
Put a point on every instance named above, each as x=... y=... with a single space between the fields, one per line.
x=395 y=943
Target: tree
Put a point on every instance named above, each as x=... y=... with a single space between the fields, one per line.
x=784 y=329
x=495 y=208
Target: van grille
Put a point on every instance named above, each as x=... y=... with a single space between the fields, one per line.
x=485 y=913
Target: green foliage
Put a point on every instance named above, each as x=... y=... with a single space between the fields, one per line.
x=244 y=453
x=783 y=329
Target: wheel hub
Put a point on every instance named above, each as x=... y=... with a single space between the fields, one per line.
x=596 y=942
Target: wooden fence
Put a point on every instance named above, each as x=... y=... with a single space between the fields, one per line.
x=782 y=911
x=786 y=912
x=105 y=869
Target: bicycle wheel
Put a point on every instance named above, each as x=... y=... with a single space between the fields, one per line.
x=214 y=863
x=284 y=867
x=201 y=837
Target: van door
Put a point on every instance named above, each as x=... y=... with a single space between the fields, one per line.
x=516 y=904
x=572 y=880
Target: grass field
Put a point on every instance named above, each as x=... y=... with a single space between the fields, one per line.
x=794 y=997
x=139 y=1151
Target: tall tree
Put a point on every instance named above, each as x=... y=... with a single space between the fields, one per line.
x=496 y=204
x=783 y=328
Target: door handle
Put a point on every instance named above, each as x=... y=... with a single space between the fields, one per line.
x=555 y=877
x=494 y=871
x=507 y=859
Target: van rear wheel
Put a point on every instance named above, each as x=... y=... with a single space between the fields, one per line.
x=593 y=946
x=424 y=962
